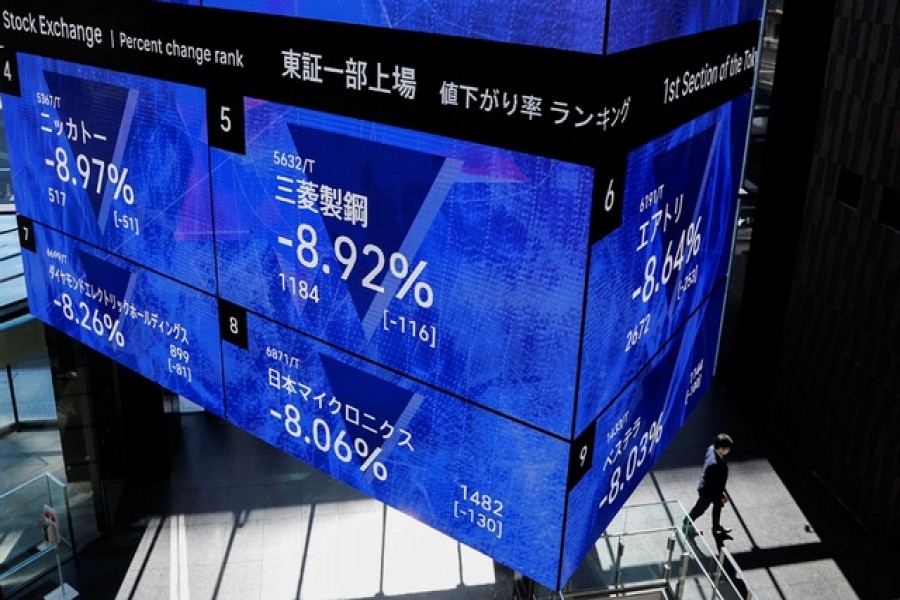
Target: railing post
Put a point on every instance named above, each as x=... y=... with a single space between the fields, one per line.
x=718 y=574
x=12 y=398
x=526 y=584
x=65 y=490
x=682 y=577
x=667 y=568
x=619 y=552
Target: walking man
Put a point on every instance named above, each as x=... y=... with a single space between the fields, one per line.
x=711 y=488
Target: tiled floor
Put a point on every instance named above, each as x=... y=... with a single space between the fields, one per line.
x=33 y=389
x=259 y=524
x=29 y=454
x=772 y=533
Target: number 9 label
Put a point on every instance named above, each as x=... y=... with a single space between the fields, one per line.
x=581 y=455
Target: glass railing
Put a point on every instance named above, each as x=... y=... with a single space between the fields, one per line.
x=13 y=297
x=645 y=551
x=24 y=553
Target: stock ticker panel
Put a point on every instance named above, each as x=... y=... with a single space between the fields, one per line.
x=672 y=247
x=156 y=326
x=116 y=160
x=455 y=263
x=463 y=470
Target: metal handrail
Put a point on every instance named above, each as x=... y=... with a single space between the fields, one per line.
x=751 y=593
x=685 y=543
x=641 y=586
x=45 y=474
x=48 y=485
x=27 y=561
x=720 y=573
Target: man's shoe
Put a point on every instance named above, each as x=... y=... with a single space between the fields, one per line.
x=687 y=528
x=722 y=530
x=721 y=534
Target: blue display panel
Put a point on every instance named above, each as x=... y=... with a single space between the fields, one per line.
x=633 y=432
x=116 y=160
x=672 y=247
x=557 y=24
x=551 y=24
x=457 y=264
x=153 y=325
x=490 y=482
x=639 y=23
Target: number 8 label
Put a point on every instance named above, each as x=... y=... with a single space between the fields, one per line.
x=233 y=323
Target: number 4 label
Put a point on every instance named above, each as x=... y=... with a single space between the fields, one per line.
x=225 y=121
x=9 y=80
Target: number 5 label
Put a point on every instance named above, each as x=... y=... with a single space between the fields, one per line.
x=225 y=121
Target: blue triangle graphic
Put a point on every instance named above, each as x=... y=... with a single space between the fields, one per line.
x=396 y=182
x=369 y=395
x=677 y=167
x=108 y=277
x=99 y=108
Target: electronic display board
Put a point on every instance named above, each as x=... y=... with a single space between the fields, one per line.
x=162 y=329
x=578 y=107
x=116 y=160
x=481 y=292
